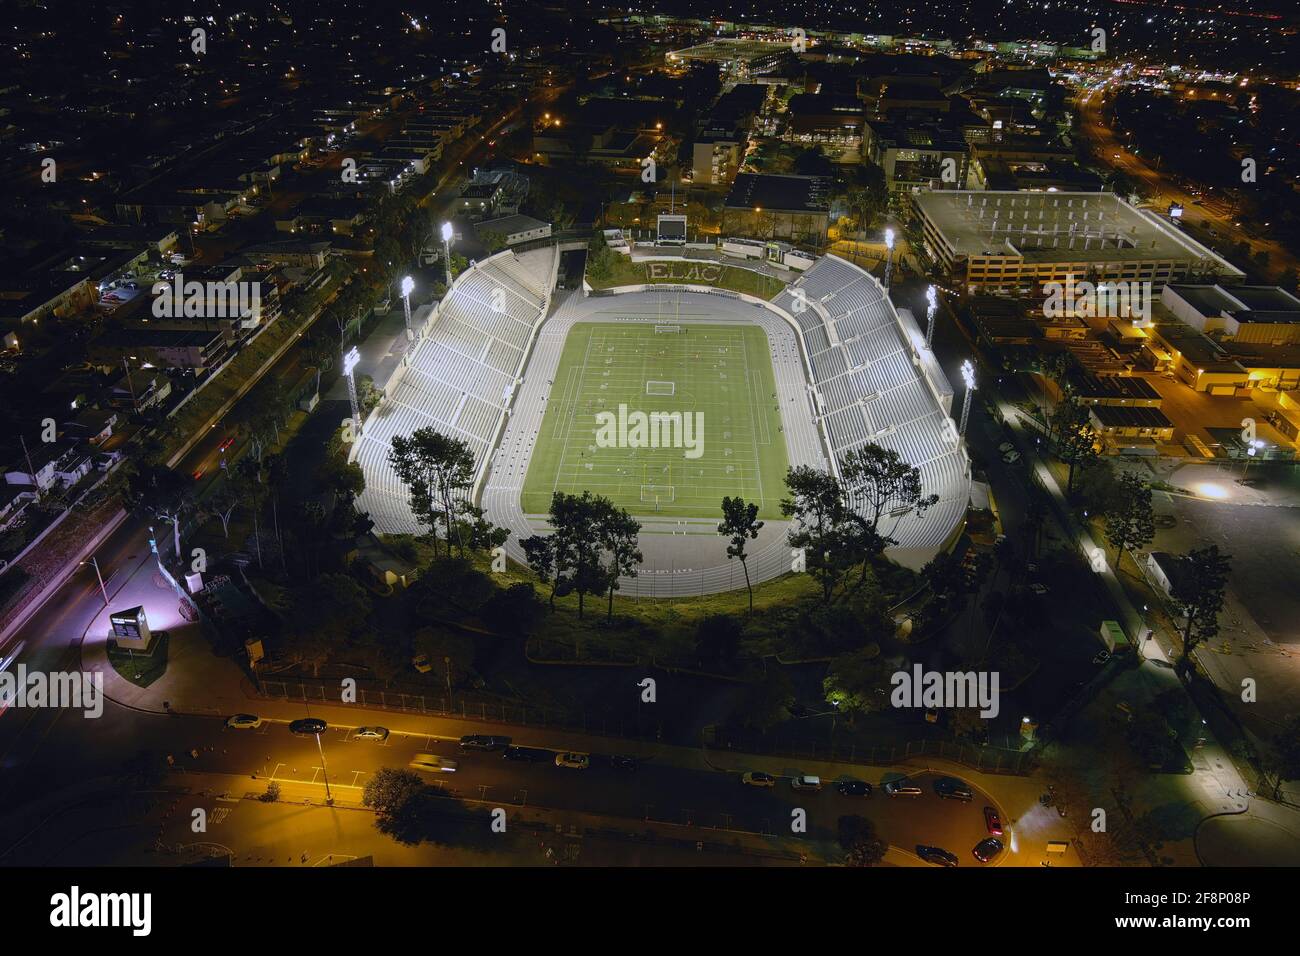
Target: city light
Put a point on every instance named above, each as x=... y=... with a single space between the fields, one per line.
x=350 y=360
x=408 y=286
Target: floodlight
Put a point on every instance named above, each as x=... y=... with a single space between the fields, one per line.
x=968 y=374
x=350 y=361
x=446 y=232
x=408 y=285
x=889 y=238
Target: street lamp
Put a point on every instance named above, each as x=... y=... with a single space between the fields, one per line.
x=350 y=360
x=932 y=306
x=446 y=249
x=967 y=376
x=1255 y=445
x=889 y=255
x=102 y=590
x=329 y=798
x=408 y=284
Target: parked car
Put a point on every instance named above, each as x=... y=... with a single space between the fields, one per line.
x=936 y=855
x=756 y=778
x=244 y=722
x=854 y=788
x=1037 y=588
x=1006 y=446
x=421 y=663
x=526 y=754
x=901 y=788
x=1011 y=457
x=950 y=788
x=806 y=782
x=624 y=762
x=573 y=761
x=987 y=849
x=483 y=742
x=993 y=821
x=432 y=763
x=371 y=733
x=307 y=727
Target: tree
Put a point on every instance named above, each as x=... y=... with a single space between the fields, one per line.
x=859 y=841
x=572 y=555
x=333 y=607
x=879 y=481
x=158 y=493
x=619 y=534
x=1280 y=761
x=319 y=352
x=740 y=522
x=227 y=496
x=492 y=240
x=858 y=682
x=766 y=700
x=1076 y=441
x=821 y=524
x=600 y=258
x=1199 y=591
x=436 y=469
x=387 y=790
x=717 y=639
x=1130 y=522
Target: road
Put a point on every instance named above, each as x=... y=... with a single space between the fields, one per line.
x=665 y=793
x=1097 y=126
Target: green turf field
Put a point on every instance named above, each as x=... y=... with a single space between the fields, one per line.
x=722 y=372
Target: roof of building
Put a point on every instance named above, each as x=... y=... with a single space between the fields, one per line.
x=1058 y=226
x=1128 y=416
x=1247 y=303
x=509 y=225
x=780 y=193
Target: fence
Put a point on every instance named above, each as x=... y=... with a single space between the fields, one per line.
x=983 y=759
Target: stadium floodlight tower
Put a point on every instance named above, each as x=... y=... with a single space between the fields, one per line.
x=931 y=307
x=350 y=360
x=408 y=286
x=889 y=255
x=967 y=376
x=446 y=249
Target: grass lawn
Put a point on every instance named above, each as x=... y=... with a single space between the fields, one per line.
x=689 y=272
x=718 y=377
x=141 y=668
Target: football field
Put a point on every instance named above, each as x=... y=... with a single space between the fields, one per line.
x=663 y=419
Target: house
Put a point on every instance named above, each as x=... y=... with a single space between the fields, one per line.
x=515 y=229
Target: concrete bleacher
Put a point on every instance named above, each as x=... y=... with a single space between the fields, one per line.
x=460 y=374
x=873 y=391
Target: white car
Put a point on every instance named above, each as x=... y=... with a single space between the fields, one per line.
x=371 y=733
x=432 y=763
x=573 y=761
x=806 y=782
x=1006 y=446
x=244 y=722
x=1011 y=457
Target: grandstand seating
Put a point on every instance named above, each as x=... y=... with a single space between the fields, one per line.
x=873 y=392
x=460 y=374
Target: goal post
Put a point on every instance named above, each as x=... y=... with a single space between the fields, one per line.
x=667 y=329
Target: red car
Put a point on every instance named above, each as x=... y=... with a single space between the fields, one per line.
x=993 y=821
x=226 y=444
x=198 y=473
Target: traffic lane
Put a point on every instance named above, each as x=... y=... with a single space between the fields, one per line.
x=656 y=791
x=659 y=791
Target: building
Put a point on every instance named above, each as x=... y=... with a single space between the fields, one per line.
x=515 y=229
x=1031 y=175
x=917 y=157
x=1000 y=321
x=1125 y=427
x=1245 y=314
x=1121 y=390
x=716 y=156
x=1166 y=570
x=825 y=118
x=778 y=207
x=1017 y=242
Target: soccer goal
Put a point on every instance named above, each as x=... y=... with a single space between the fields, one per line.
x=664 y=329
x=657 y=492
x=660 y=388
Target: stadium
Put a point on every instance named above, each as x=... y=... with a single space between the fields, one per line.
x=666 y=396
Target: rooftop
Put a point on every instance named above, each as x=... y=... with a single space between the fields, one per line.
x=780 y=193
x=1058 y=226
